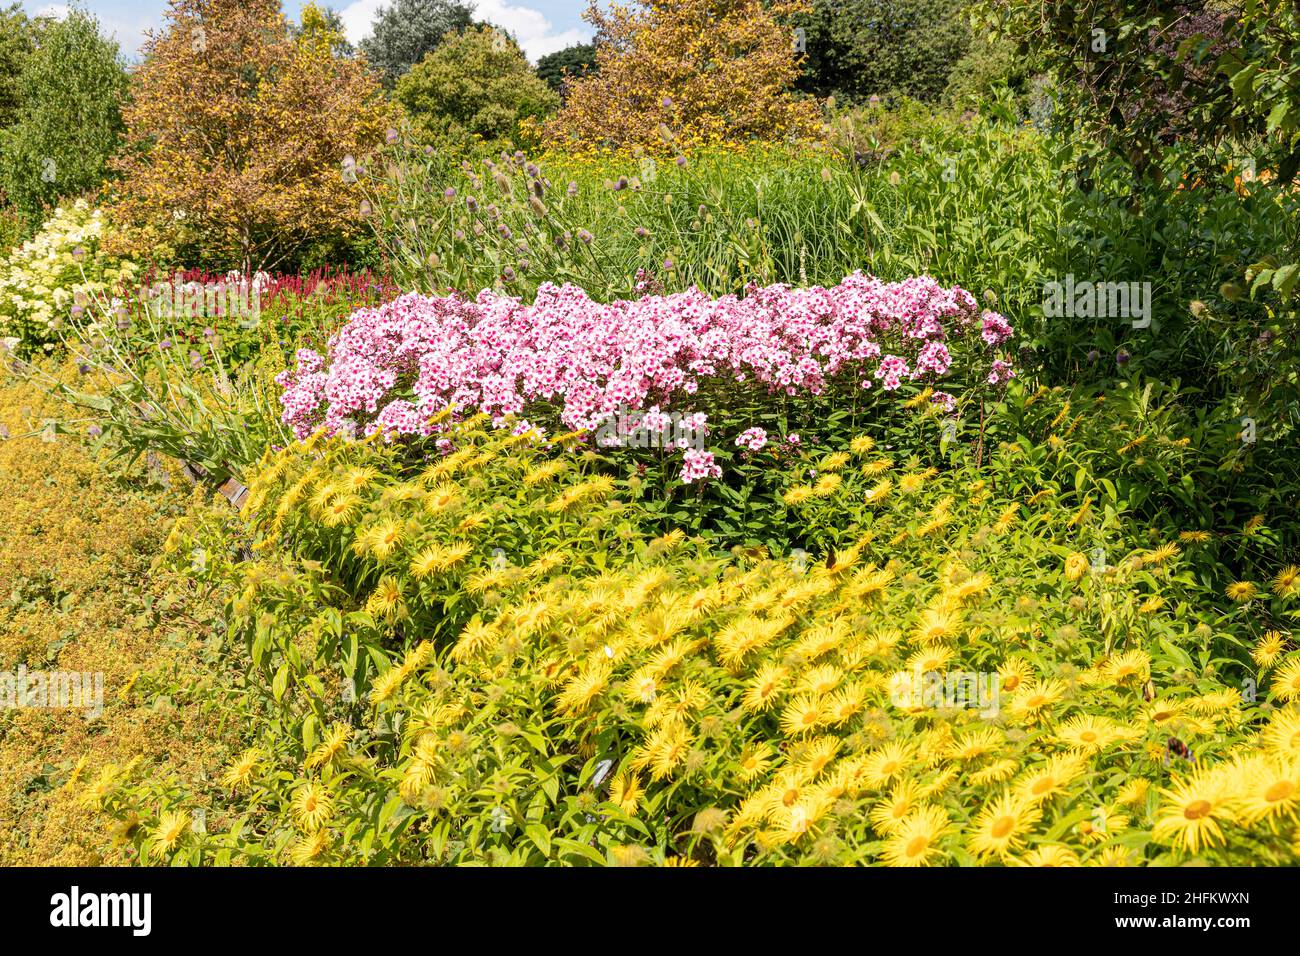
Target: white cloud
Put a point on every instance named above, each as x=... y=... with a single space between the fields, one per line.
x=529 y=26
x=358 y=17
x=535 y=33
x=129 y=34
x=55 y=11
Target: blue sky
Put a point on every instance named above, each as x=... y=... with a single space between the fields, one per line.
x=542 y=26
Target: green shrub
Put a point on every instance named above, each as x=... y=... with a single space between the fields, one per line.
x=990 y=65
x=474 y=89
x=573 y=62
x=71 y=91
x=1155 y=451
x=862 y=48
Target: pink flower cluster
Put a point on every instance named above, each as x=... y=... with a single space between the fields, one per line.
x=699 y=466
x=752 y=438
x=392 y=367
x=1001 y=372
x=996 y=329
x=944 y=400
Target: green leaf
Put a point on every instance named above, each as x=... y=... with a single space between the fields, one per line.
x=281 y=682
x=540 y=836
x=310 y=727
x=1277 y=115
x=100 y=402
x=1284 y=279
x=584 y=850
x=1242 y=81
x=389 y=808
x=1180 y=656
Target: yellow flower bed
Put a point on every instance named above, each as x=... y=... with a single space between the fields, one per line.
x=493 y=665
x=80 y=596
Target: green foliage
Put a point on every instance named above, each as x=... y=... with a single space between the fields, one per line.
x=157 y=386
x=182 y=403
x=17 y=40
x=1160 y=453
x=860 y=48
x=1264 y=74
x=720 y=219
x=406 y=31
x=572 y=62
x=1137 y=76
x=473 y=89
x=1198 y=100
x=71 y=88
x=990 y=65
x=750 y=506
x=284 y=320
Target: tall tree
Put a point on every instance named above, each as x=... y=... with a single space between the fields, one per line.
x=476 y=85
x=707 y=70
x=239 y=136
x=318 y=22
x=17 y=41
x=571 y=63
x=69 y=121
x=408 y=30
x=857 y=48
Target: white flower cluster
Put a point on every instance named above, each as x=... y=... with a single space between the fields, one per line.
x=43 y=280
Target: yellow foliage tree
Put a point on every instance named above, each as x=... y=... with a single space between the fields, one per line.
x=705 y=71
x=241 y=139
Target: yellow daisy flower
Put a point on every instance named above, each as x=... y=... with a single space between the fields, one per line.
x=1192 y=812
x=1284 y=582
x=1269 y=649
x=1241 y=591
x=1286 y=682
x=313 y=806
x=1001 y=827
x=1271 y=789
x=913 y=841
x=1050 y=855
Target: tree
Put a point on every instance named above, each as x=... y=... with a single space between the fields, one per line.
x=990 y=64
x=318 y=22
x=239 y=137
x=69 y=120
x=857 y=48
x=17 y=41
x=571 y=63
x=408 y=30
x=698 y=70
x=1136 y=76
x=475 y=84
